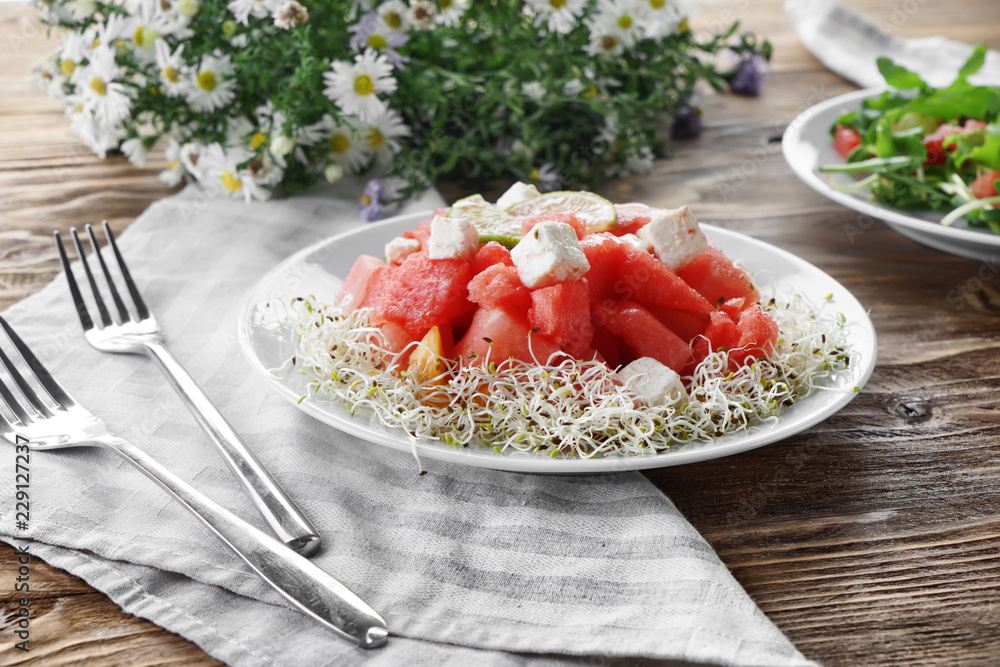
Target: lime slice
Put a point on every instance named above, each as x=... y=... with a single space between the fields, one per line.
x=506 y=241
x=486 y=218
x=595 y=211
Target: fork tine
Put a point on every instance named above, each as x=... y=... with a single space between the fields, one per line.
x=45 y=379
x=13 y=405
x=74 y=290
x=26 y=389
x=122 y=310
x=6 y=428
x=140 y=305
x=98 y=299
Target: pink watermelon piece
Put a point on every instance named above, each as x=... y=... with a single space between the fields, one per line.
x=718 y=279
x=645 y=335
x=361 y=285
x=396 y=339
x=631 y=217
x=423 y=292
x=489 y=254
x=758 y=333
x=421 y=232
x=648 y=280
x=733 y=307
x=562 y=312
x=501 y=334
x=606 y=254
x=608 y=346
x=685 y=325
x=721 y=333
x=566 y=218
x=499 y=287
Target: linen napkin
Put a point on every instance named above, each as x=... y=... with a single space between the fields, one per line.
x=468 y=566
x=849 y=43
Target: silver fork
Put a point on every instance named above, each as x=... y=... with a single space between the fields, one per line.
x=51 y=419
x=120 y=331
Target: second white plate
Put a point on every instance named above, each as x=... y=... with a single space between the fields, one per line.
x=807 y=144
x=319 y=270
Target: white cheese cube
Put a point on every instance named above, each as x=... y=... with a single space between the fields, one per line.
x=675 y=236
x=632 y=239
x=550 y=253
x=516 y=194
x=399 y=249
x=653 y=381
x=452 y=238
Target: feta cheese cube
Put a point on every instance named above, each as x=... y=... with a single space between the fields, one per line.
x=516 y=194
x=550 y=253
x=653 y=381
x=632 y=239
x=399 y=249
x=452 y=238
x=675 y=236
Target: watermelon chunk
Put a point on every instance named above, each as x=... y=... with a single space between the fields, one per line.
x=499 y=287
x=395 y=339
x=631 y=217
x=645 y=335
x=721 y=333
x=718 y=279
x=733 y=307
x=606 y=254
x=362 y=283
x=685 y=325
x=648 y=280
x=562 y=312
x=570 y=219
x=501 y=334
x=421 y=232
x=609 y=346
x=423 y=292
x=758 y=333
x=489 y=254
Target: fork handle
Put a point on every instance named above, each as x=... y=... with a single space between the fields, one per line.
x=295 y=577
x=287 y=521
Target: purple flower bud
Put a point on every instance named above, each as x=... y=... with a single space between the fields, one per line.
x=371 y=200
x=749 y=75
x=687 y=124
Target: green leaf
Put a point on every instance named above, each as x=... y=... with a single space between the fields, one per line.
x=974 y=63
x=959 y=99
x=989 y=152
x=900 y=77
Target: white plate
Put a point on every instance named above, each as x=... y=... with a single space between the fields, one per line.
x=807 y=144
x=318 y=270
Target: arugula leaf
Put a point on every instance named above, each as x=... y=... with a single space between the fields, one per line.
x=989 y=152
x=959 y=99
x=900 y=77
x=974 y=63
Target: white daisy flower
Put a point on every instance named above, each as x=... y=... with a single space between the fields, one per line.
x=114 y=27
x=659 y=17
x=172 y=68
x=604 y=43
x=98 y=136
x=264 y=170
x=174 y=172
x=146 y=25
x=423 y=14
x=395 y=15
x=243 y=9
x=190 y=158
x=74 y=48
x=355 y=88
x=345 y=146
x=333 y=172
x=572 y=88
x=381 y=136
x=621 y=18
x=213 y=85
x=102 y=94
x=136 y=151
x=450 y=11
x=533 y=90
x=559 y=16
x=290 y=15
x=50 y=78
x=223 y=176
x=83 y=9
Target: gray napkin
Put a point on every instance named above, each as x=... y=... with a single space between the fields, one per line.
x=849 y=43
x=466 y=565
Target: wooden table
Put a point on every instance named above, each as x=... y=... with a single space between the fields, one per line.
x=872 y=538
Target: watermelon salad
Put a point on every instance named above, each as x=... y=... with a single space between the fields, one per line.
x=564 y=325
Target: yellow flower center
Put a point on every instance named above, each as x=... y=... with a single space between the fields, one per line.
x=374 y=138
x=534 y=175
x=171 y=74
x=173 y=164
x=557 y=4
x=445 y=5
x=258 y=140
x=99 y=86
x=207 y=81
x=363 y=85
x=78 y=107
x=590 y=93
x=67 y=67
x=145 y=37
x=608 y=43
x=393 y=20
x=377 y=41
x=230 y=181
x=657 y=4
x=683 y=26
x=339 y=144
x=366 y=200
x=624 y=21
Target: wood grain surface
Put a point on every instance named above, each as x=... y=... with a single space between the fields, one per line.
x=873 y=538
